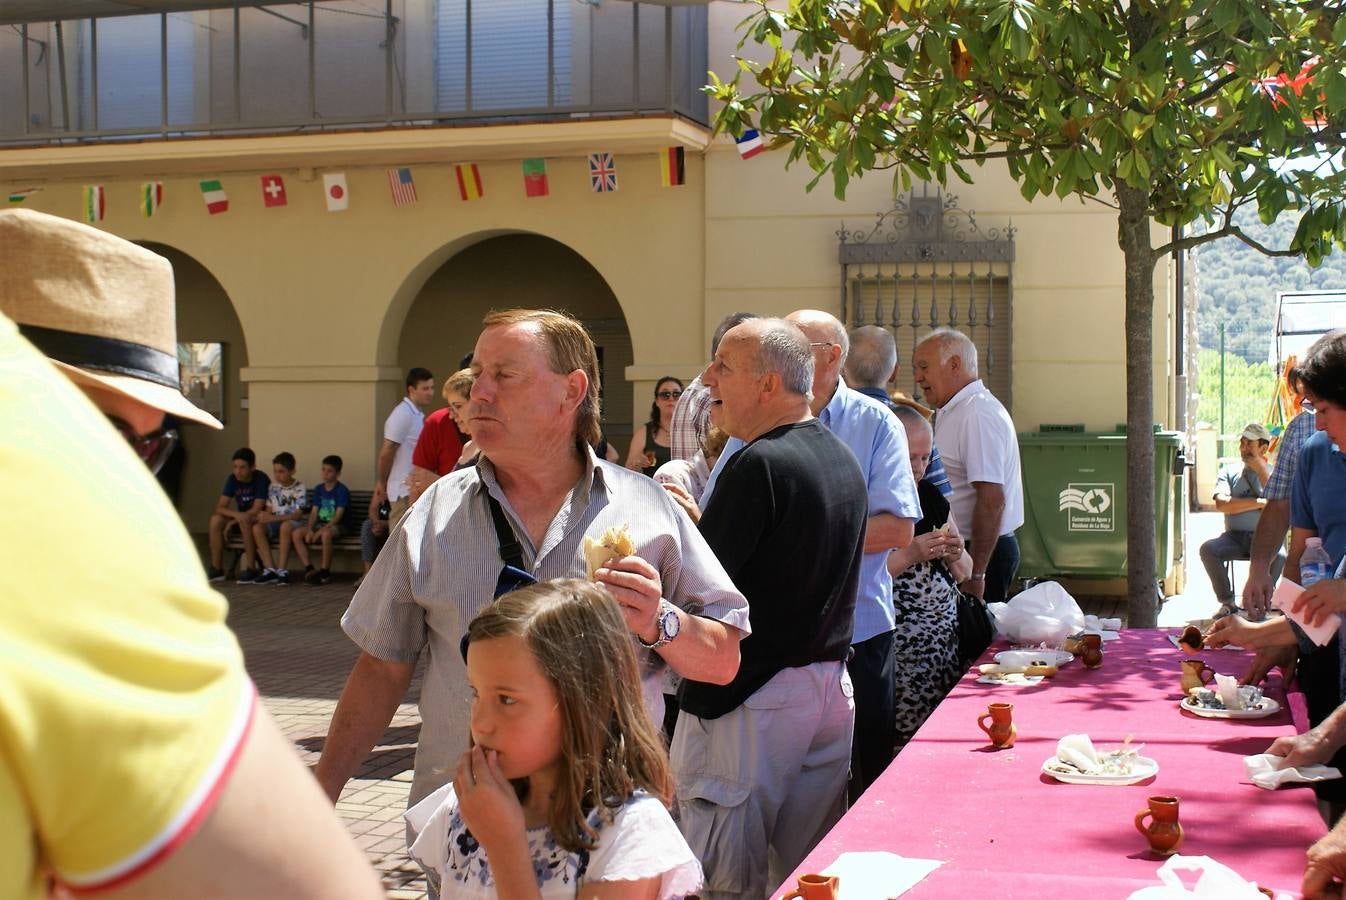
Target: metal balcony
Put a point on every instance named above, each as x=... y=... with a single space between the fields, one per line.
x=347 y=64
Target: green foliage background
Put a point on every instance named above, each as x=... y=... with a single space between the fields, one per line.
x=1237 y=285
x=1249 y=389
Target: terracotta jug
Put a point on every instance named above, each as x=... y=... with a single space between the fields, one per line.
x=1001 y=730
x=1164 y=832
x=1195 y=674
x=1091 y=650
x=816 y=887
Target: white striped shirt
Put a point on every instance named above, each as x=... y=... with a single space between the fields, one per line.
x=440 y=565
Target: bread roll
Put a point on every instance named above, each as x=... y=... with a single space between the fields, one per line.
x=614 y=543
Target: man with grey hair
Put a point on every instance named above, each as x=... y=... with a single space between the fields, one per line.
x=760 y=763
x=879 y=443
x=872 y=364
x=691 y=417
x=981 y=454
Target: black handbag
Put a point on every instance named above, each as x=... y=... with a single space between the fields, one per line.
x=975 y=629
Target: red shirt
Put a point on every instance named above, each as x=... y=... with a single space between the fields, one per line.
x=439 y=446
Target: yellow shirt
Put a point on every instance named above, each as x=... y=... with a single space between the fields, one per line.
x=123 y=699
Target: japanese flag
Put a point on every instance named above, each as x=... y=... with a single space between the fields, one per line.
x=338 y=198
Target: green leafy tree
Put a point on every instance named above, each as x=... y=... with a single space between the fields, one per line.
x=1156 y=109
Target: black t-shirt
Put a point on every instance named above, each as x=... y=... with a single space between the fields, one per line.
x=787 y=521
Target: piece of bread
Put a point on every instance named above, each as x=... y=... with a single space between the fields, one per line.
x=614 y=543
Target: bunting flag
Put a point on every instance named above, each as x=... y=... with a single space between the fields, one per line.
x=750 y=144
x=151 y=197
x=17 y=197
x=402 y=187
x=602 y=173
x=671 y=171
x=217 y=201
x=535 y=178
x=338 y=197
x=273 y=191
x=93 y=203
x=469 y=181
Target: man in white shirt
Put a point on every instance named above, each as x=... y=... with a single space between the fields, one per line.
x=400 y=431
x=980 y=448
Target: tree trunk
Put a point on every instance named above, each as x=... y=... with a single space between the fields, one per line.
x=1133 y=234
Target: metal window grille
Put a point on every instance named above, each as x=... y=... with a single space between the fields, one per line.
x=926 y=264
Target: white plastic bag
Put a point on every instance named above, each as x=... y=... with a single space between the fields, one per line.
x=1043 y=613
x=1214 y=881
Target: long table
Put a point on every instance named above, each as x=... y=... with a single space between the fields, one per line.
x=1004 y=829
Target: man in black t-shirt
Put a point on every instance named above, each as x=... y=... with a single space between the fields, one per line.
x=761 y=762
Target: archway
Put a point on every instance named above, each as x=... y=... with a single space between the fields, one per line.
x=206 y=315
x=510 y=270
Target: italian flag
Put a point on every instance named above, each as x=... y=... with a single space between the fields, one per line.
x=217 y=201
x=93 y=203
x=151 y=196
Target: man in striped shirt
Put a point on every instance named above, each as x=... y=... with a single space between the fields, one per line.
x=534 y=413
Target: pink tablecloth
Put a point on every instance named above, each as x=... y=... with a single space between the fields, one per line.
x=1006 y=830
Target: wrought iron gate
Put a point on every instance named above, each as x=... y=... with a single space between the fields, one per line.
x=925 y=264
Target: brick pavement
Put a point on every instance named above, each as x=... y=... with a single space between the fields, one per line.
x=299 y=658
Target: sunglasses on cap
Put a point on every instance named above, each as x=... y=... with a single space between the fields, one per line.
x=153 y=448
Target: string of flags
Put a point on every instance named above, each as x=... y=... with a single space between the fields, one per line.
x=401 y=184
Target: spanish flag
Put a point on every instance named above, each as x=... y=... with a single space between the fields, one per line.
x=469 y=181
x=671 y=171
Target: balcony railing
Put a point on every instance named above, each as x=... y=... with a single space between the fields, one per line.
x=348 y=64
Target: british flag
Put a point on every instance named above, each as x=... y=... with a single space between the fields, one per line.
x=602 y=172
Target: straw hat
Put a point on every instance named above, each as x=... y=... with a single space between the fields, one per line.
x=99 y=307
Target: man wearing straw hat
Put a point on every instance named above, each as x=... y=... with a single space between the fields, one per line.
x=134 y=756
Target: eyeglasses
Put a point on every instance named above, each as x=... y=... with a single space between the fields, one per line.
x=668 y=395
x=153 y=448
x=814 y=345
x=510 y=579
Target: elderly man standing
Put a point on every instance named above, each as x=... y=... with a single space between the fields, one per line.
x=761 y=762
x=879 y=442
x=691 y=417
x=534 y=412
x=976 y=437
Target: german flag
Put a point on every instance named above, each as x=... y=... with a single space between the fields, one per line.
x=671 y=170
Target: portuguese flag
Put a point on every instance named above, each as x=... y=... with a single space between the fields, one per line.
x=535 y=178
x=217 y=201
x=671 y=171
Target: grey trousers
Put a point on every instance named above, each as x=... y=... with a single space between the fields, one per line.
x=1231 y=545
x=759 y=786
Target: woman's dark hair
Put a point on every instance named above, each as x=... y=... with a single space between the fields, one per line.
x=1323 y=369
x=652 y=426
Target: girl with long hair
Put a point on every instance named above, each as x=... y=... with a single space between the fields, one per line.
x=650 y=444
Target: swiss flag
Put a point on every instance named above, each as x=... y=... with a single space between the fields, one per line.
x=273 y=190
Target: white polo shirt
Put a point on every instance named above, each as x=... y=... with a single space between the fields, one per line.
x=977 y=441
x=402 y=427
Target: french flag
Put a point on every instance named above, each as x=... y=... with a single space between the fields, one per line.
x=750 y=144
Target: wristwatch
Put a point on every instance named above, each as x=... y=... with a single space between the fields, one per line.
x=669 y=625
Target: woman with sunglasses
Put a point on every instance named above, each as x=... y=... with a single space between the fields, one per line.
x=650 y=442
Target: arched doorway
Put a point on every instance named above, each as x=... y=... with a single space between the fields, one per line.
x=519 y=270
x=206 y=316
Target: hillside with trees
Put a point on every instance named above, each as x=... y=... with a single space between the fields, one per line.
x=1238 y=285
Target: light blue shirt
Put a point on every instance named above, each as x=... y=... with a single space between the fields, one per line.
x=879 y=443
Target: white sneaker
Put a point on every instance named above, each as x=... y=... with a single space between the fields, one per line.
x=282 y=576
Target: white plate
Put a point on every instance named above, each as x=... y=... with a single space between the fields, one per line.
x=1268 y=707
x=1142 y=768
x=1023 y=657
x=1018 y=680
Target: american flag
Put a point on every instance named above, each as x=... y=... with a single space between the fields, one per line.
x=403 y=188
x=602 y=172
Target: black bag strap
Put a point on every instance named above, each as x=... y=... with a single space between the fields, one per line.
x=511 y=551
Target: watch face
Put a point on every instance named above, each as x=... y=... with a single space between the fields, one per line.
x=669 y=624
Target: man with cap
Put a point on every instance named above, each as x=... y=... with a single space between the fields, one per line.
x=135 y=759
x=1238 y=494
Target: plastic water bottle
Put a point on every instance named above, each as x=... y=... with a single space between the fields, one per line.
x=1315 y=564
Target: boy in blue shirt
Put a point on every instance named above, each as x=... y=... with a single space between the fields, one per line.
x=331 y=500
x=241 y=501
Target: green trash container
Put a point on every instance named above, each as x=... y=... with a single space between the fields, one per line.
x=1075 y=503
